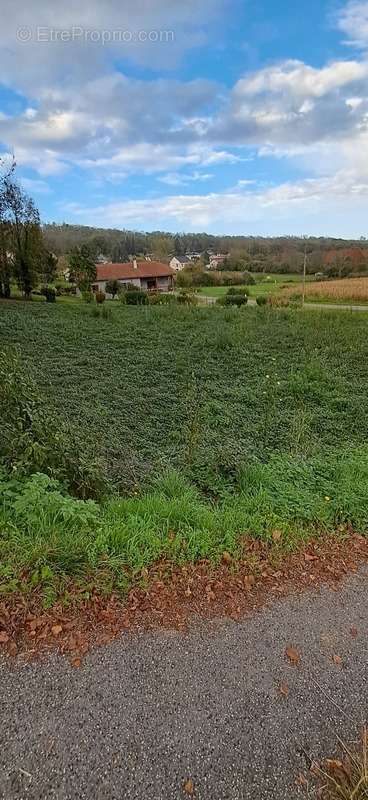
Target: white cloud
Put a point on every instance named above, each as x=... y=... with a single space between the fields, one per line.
x=352 y=20
x=43 y=57
x=179 y=179
x=286 y=203
x=35 y=186
x=300 y=80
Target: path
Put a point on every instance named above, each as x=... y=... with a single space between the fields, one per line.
x=148 y=712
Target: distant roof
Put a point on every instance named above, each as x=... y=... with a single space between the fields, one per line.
x=182 y=259
x=127 y=270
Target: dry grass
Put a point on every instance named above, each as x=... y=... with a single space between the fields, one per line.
x=345 y=779
x=346 y=289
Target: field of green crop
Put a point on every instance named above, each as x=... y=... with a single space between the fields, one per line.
x=205 y=387
x=213 y=422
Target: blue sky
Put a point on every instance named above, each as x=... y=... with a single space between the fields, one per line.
x=231 y=116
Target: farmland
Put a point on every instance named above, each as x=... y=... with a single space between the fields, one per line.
x=264 y=285
x=348 y=290
x=210 y=423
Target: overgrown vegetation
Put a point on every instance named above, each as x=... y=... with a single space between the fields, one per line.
x=190 y=427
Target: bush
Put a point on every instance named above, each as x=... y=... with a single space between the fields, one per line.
x=34 y=440
x=261 y=300
x=88 y=297
x=49 y=293
x=100 y=298
x=235 y=299
x=187 y=298
x=136 y=297
x=237 y=290
x=161 y=299
x=65 y=290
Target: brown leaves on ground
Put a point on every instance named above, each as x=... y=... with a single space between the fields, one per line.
x=171 y=596
x=284 y=689
x=189 y=786
x=337 y=659
x=346 y=777
x=292 y=655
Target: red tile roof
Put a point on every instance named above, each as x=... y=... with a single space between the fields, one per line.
x=144 y=269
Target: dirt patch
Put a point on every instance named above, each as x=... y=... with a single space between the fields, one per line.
x=173 y=596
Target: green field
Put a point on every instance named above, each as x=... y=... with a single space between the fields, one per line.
x=265 y=285
x=212 y=422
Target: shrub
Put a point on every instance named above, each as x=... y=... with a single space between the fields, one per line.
x=187 y=298
x=34 y=440
x=161 y=299
x=100 y=298
x=88 y=297
x=65 y=290
x=235 y=299
x=49 y=293
x=136 y=297
x=261 y=300
x=113 y=287
x=237 y=290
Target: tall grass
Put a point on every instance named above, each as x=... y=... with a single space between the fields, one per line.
x=348 y=289
x=46 y=535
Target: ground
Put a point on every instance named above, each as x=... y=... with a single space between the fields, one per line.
x=219 y=712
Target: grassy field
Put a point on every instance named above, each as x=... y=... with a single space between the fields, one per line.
x=265 y=285
x=212 y=423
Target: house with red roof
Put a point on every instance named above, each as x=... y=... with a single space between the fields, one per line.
x=151 y=276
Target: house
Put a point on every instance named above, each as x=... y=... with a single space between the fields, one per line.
x=179 y=262
x=147 y=275
x=215 y=260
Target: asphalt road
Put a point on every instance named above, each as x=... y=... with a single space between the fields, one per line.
x=152 y=710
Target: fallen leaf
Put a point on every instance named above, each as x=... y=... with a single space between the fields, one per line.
x=56 y=630
x=333 y=764
x=276 y=536
x=249 y=581
x=4 y=638
x=76 y=662
x=309 y=557
x=284 y=689
x=354 y=631
x=226 y=557
x=337 y=659
x=188 y=591
x=301 y=780
x=292 y=655
x=189 y=786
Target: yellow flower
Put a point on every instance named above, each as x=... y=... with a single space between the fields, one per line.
x=327 y=499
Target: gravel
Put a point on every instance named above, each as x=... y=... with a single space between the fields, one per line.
x=145 y=714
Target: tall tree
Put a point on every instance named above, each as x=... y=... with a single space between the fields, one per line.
x=22 y=221
x=6 y=256
x=82 y=268
x=49 y=266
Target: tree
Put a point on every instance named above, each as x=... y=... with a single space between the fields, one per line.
x=113 y=287
x=21 y=236
x=49 y=266
x=82 y=268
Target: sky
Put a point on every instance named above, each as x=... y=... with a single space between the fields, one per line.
x=226 y=116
